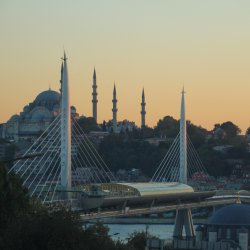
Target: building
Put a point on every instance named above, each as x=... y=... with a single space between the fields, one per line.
x=229 y=225
x=35 y=117
x=2 y=150
x=227 y=229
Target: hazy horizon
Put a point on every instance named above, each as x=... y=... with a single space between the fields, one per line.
x=159 y=45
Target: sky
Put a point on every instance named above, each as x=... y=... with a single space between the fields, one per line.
x=160 y=45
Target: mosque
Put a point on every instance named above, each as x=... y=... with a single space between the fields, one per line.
x=38 y=115
x=35 y=117
x=227 y=229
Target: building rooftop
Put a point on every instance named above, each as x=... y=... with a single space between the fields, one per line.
x=48 y=96
x=236 y=214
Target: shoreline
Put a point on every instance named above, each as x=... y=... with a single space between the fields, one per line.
x=152 y=221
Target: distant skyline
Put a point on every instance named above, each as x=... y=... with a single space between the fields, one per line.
x=159 y=45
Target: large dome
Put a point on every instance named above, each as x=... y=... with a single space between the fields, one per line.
x=236 y=214
x=48 y=96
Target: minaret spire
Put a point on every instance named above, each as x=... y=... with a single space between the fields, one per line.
x=61 y=78
x=143 y=110
x=65 y=129
x=94 y=95
x=183 y=141
x=114 y=110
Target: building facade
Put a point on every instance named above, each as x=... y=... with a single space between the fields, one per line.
x=35 y=117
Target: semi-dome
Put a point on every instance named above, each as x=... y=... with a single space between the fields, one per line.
x=236 y=214
x=48 y=96
x=40 y=116
x=14 y=117
x=26 y=109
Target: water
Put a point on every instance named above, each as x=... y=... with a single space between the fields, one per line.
x=125 y=230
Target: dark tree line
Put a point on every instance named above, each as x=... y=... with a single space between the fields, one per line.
x=27 y=225
x=120 y=152
x=132 y=149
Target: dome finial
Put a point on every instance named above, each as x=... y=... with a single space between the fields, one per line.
x=238 y=200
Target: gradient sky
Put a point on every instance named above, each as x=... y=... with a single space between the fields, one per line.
x=160 y=45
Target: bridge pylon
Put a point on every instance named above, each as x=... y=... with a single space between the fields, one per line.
x=65 y=130
x=184 y=216
x=184 y=220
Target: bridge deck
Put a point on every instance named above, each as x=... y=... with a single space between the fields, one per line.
x=85 y=217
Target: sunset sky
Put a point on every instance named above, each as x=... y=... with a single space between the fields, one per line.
x=159 y=45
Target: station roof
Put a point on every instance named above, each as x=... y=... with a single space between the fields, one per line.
x=158 y=188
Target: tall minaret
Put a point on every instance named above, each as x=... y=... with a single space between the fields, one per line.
x=183 y=142
x=114 y=110
x=143 y=111
x=65 y=129
x=61 y=79
x=94 y=94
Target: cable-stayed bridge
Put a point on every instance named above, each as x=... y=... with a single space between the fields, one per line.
x=68 y=168
x=168 y=170
x=42 y=174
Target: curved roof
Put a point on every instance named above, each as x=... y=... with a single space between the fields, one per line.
x=14 y=117
x=48 y=96
x=40 y=116
x=236 y=214
x=158 y=188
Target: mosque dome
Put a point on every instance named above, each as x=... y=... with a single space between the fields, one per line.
x=26 y=109
x=14 y=118
x=232 y=215
x=48 y=96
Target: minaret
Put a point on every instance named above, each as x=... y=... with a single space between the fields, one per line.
x=61 y=79
x=143 y=111
x=114 y=110
x=65 y=129
x=183 y=142
x=94 y=94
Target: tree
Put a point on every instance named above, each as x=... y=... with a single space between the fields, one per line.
x=45 y=230
x=138 y=240
x=121 y=152
x=197 y=134
x=167 y=126
x=88 y=124
x=14 y=198
x=97 y=237
x=230 y=129
x=141 y=133
x=248 y=131
x=214 y=162
x=238 y=151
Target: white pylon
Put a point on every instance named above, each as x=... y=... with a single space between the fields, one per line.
x=65 y=129
x=183 y=142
